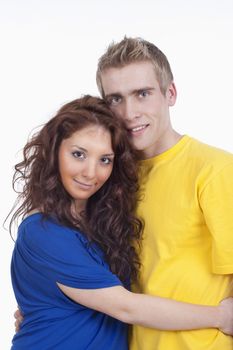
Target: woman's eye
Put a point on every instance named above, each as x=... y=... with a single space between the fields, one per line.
x=106 y=160
x=78 y=154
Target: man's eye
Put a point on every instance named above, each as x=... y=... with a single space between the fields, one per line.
x=114 y=100
x=78 y=154
x=143 y=93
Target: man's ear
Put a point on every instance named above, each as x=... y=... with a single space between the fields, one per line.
x=171 y=94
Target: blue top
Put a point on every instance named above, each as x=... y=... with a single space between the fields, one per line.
x=45 y=253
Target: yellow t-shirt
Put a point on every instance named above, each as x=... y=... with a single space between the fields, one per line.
x=187 y=245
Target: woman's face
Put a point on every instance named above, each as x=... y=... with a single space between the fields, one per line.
x=85 y=162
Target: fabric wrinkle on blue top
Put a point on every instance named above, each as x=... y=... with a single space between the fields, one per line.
x=45 y=253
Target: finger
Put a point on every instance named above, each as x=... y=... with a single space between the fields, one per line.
x=17 y=314
x=19 y=320
x=16 y=326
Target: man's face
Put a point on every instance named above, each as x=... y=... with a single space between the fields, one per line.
x=134 y=95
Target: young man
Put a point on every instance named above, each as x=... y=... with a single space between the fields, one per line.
x=187 y=247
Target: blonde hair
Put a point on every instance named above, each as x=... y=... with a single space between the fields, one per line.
x=131 y=50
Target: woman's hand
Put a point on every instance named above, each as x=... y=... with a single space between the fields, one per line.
x=226 y=316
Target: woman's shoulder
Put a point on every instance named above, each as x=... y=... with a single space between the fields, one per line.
x=43 y=221
x=44 y=235
x=37 y=226
x=31 y=212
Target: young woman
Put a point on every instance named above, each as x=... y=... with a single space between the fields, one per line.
x=76 y=248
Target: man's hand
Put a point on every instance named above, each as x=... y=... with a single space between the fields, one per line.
x=226 y=316
x=18 y=319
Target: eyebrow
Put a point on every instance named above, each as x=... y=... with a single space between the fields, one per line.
x=133 y=92
x=85 y=150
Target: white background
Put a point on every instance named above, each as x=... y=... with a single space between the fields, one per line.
x=48 y=56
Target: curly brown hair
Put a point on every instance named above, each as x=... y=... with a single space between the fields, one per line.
x=109 y=218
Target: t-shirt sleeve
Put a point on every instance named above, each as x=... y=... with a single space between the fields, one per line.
x=65 y=257
x=217 y=206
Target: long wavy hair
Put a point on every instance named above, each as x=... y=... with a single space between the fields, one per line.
x=109 y=218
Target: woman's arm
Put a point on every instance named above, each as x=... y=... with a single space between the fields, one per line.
x=153 y=312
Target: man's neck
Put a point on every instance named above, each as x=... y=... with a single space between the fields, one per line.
x=161 y=147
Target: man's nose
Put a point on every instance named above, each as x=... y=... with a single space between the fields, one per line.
x=130 y=110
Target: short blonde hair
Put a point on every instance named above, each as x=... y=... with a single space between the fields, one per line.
x=131 y=50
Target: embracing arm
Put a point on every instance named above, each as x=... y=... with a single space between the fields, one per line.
x=153 y=312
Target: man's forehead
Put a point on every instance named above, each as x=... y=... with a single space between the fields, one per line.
x=130 y=68
x=133 y=77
